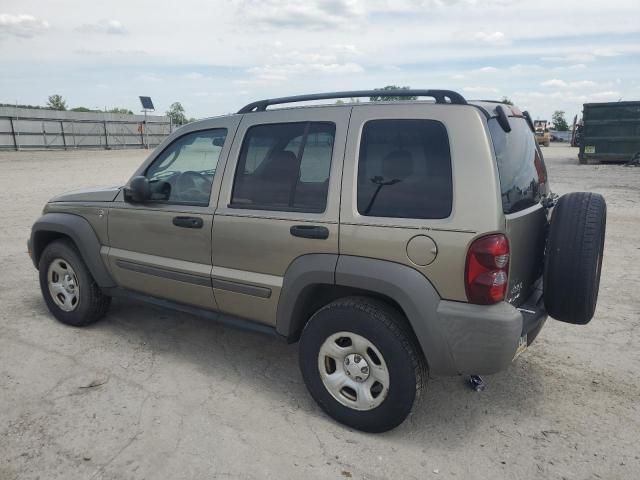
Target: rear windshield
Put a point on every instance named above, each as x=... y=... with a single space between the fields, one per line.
x=523 y=175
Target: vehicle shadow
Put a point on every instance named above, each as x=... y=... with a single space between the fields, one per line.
x=189 y=351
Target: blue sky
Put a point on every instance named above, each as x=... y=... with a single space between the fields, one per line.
x=215 y=56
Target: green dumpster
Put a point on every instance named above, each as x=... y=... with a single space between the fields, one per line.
x=610 y=132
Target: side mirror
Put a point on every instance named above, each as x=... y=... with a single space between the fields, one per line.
x=138 y=190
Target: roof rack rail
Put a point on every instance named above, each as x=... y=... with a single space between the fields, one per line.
x=488 y=101
x=440 y=96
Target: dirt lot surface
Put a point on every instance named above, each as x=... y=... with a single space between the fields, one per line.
x=151 y=394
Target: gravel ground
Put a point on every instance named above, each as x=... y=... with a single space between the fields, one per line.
x=148 y=393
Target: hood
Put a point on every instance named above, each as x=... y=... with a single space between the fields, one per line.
x=98 y=194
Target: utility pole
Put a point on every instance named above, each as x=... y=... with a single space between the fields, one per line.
x=147 y=106
x=144 y=129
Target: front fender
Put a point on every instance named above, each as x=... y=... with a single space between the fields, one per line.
x=79 y=230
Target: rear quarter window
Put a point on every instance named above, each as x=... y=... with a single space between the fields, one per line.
x=523 y=175
x=404 y=169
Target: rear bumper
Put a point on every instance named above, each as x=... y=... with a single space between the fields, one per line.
x=483 y=339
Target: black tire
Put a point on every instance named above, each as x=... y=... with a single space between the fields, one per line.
x=573 y=259
x=388 y=331
x=92 y=304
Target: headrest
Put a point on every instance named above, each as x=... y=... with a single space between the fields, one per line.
x=282 y=165
x=397 y=164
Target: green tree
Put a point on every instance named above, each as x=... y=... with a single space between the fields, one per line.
x=83 y=109
x=391 y=98
x=506 y=100
x=559 y=122
x=126 y=111
x=351 y=100
x=176 y=114
x=56 y=102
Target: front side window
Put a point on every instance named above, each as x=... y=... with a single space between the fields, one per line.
x=404 y=170
x=183 y=173
x=284 y=167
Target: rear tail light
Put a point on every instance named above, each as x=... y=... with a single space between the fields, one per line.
x=487 y=270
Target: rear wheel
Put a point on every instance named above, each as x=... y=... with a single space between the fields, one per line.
x=69 y=290
x=361 y=364
x=573 y=260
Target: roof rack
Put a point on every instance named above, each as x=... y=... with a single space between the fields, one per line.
x=440 y=96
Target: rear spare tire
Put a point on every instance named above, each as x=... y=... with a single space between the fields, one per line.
x=573 y=259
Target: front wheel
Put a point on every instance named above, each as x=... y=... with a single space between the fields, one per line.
x=361 y=363
x=69 y=290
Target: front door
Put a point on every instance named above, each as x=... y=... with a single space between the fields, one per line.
x=163 y=247
x=279 y=200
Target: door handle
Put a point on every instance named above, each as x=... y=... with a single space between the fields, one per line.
x=309 y=231
x=188 y=222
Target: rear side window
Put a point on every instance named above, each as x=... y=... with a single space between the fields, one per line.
x=285 y=167
x=522 y=172
x=404 y=169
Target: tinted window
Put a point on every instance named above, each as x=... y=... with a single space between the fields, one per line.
x=521 y=168
x=284 y=167
x=183 y=172
x=404 y=170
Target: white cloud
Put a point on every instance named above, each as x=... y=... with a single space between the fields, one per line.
x=480 y=89
x=583 y=57
x=310 y=14
x=113 y=27
x=572 y=57
x=280 y=47
x=21 y=25
x=415 y=6
x=194 y=76
x=495 y=38
x=485 y=70
x=346 y=49
x=304 y=57
x=577 y=66
x=148 y=78
x=608 y=95
x=525 y=68
x=606 y=52
x=562 y=84
x=117 y=52
x=284 y=71
x=554 y=83
x=582 y=84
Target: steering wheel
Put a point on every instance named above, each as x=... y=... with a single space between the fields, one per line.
x=193 y=186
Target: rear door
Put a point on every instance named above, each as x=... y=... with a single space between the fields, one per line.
x=279 y=200
x=523 y=182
